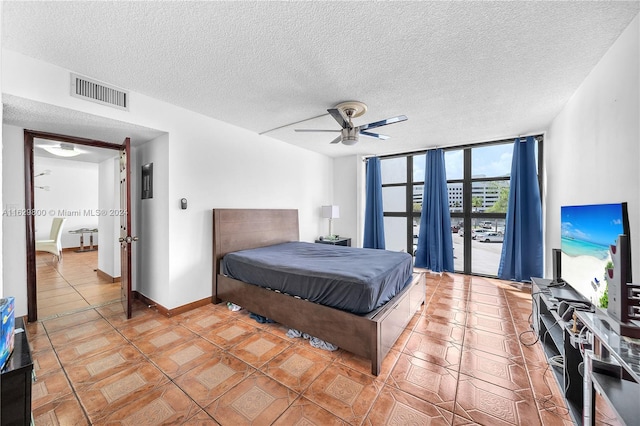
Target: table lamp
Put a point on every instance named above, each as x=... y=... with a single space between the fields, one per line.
x=331 y=212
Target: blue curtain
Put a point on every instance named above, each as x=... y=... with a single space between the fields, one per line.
x=435 y=245
x=373 y=214
x=522 y=248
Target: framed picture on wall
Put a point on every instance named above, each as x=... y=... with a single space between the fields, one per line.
x=147 y=181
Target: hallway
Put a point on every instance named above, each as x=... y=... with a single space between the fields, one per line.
x=71 y=284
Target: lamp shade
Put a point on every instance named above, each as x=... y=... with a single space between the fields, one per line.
x=331 y=212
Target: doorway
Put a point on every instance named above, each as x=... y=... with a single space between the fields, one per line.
x=35 y=262
x=72 y=190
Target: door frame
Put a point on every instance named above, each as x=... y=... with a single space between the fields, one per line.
x=125 y=237
x=29 y=201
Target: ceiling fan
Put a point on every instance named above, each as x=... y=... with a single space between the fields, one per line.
x=343 y=113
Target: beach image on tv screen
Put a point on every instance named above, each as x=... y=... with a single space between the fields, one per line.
x=587 y=233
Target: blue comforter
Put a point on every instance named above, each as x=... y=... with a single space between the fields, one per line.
x=352 y=279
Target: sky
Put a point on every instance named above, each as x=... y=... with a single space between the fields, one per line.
x=601 y=223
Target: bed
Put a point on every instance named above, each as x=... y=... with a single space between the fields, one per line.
x=370 y=335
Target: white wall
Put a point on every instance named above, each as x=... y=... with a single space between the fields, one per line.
x=209 y=162
x=1 y=180
x=592 y=147
x=349 y=194
x=109 y=224
x=14 y=262
x=1 y=168
x=222 y=166
x=151 y=263
x=73 y=194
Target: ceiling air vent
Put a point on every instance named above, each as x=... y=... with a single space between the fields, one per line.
x=91 y=90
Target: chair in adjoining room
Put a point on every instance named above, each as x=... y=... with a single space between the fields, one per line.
x=54 y=244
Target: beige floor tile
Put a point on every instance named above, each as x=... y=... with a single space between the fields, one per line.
x=395 y=407
x=163 y=339
x=305 y=412
x=61 y=411
x=458 y=362
x=296 y=367
x=48 y=388
x=112 y=393
x=257 y=400
x=179 y=359
x=164 y=405
x=88 y=370
x=211 y=379
x=344 y=392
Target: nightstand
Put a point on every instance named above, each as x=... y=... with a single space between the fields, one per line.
x=336 y=242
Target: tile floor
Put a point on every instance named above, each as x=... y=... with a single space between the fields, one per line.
x=459 y=362
x=71 y=284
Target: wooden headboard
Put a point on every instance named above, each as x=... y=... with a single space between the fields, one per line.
x=240 y=229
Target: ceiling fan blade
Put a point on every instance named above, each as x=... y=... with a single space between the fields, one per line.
x=335 y=113
x=374 y=135
x=337 y=140
x=383 y=122
x=316 y=130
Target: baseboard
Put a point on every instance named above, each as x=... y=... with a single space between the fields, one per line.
x=105 y=276
x=171 y=312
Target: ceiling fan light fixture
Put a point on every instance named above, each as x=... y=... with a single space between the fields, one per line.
x=350 y=136
x=62 y=150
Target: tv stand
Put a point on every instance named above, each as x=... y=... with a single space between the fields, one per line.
x=612 y=368
x=557 y=283
x=557 y=338
x=623 y=312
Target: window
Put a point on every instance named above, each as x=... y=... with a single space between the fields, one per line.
x=478 y=182
x=402 y=200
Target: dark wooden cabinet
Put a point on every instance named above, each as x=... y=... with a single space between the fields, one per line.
x=15 y=383
x=336 y=242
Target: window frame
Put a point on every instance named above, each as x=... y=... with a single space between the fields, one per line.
x=467 y=215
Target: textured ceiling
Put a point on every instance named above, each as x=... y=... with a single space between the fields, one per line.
x=462 y=72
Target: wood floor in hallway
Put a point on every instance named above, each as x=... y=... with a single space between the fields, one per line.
x=71 y=284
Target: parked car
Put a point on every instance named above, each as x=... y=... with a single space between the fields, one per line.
x=479 y=233
x=474 y=233
x=491 y=237
x=455 y=228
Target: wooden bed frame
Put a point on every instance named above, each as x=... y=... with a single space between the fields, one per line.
x=370 y=336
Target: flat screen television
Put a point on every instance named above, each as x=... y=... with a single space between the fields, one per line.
x=587 y=232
